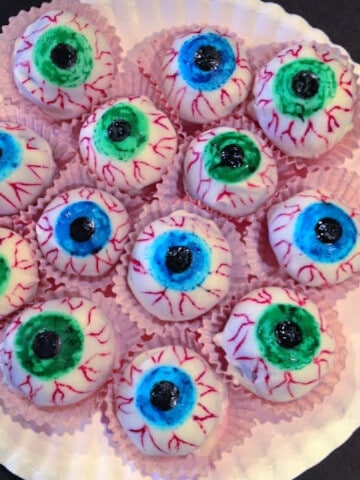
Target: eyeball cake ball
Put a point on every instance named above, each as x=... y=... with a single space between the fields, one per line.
x=128 y=142
x=277 y=344
x=19 y=275
x=26 y=167
x=58 y=352
x=63 y=64
x=82 y=231
x=231 y=170
x=168 y=401
x=205 y=75
x=315 y=238
x=180 y=266
x=305 y=98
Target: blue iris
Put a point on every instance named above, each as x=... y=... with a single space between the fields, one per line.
x=210 y=78
x=194 y=274
x=11 y=154
x=187 y=397
x=84 y=241
x=306 y=236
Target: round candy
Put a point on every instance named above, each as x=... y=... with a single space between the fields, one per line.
x=180 y=266
x=128 y=142
x=205 y=75
x=82 y=231
x=58 y=352
x=304 y=99
x=230 y=170
x=168 y=401
x=26 y=167
x=315 y=238
x=277 y=344
x=63 y=64
x=19 y=275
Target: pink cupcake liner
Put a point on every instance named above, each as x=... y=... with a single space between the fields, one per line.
x=339 y=153
x=266 y=410
x=17 y=26
x=235 y=425
x=132 y=84
x=172 y=185
x=72 y=176
x=61 y=419
x=123 y=295
x=343 y=184
x=150 y=52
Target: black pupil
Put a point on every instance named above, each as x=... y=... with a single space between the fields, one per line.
x=81 y=229
x=1 y=152
x=232 y=156
x=46 y=344
x=288 y=334
x=305 y=84
x=164 y=395
x=118 y=130
x=64 y=56
x=178 y=259
x=207 y=58
x=328 y=230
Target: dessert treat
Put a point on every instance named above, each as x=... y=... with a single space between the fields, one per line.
x=180 y=266
x=128 y=142
x=205 y=74
x=58 y=352
x=63 y=64
x=230 y=170
x=26 y=167
x=315 y=238
x=82 y=231
x=168 y=401
x=19 y=276
x=304 y=99
x=277 y=344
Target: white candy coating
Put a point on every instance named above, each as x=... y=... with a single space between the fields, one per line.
x=19 y=272
x=182 y=437
x=65 y=385
x=324 y=125
x=244 y=353
x=143 y=167
x=233 y=198
x=180 y=296
x=308 y=266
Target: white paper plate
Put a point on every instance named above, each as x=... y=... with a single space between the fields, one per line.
x=275 y=452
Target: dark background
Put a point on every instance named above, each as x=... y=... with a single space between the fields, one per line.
x=340 y=19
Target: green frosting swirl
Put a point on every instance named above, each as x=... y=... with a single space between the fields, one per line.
x=290 y=102
x=76 y=74
x=5 y=272
x=287 y=358
x=67 y=358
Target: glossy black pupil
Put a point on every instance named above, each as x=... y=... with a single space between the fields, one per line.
x=288 y=334
x=305 y=84
x=207 y=58
x=64 y=56
x=232 y=156
x=1 y=152
x=118 y=130
x=328 y=230
x=164 y=395
x=46 y=344
x=178 y=259
x=81 y=229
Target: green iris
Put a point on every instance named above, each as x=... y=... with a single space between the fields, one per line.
x=49 y=345
x=64 y=57
x=276 y=322
x=5 y=271
x=303 y=87
x=231 y=157
x=122 y=132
